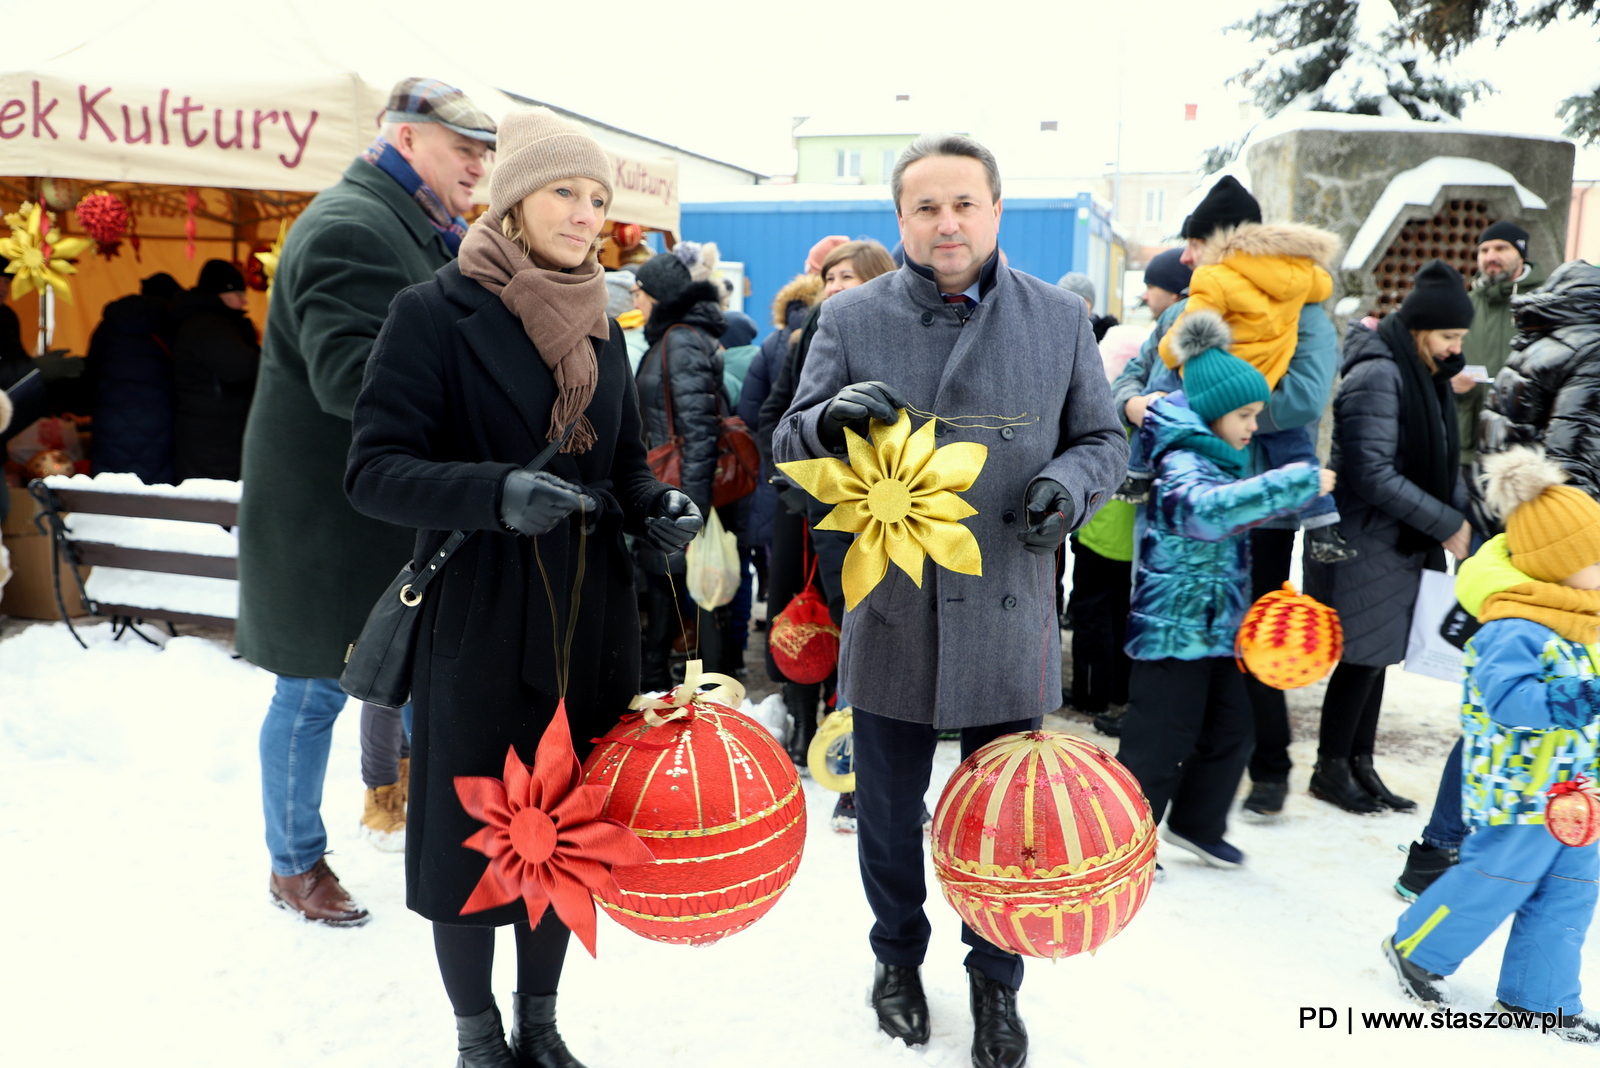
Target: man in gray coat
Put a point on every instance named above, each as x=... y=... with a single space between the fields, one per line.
x=957 y=333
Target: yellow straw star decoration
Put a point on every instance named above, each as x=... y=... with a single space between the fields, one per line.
x=38 y=253
x=899 y=494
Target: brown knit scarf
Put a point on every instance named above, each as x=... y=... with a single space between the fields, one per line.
x=1570 y=613
x=561 y=311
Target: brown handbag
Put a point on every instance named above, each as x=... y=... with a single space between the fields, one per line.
x=737 y=459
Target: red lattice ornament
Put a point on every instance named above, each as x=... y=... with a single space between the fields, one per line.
x=105 y=218
x=1043 y=844
x=717 y=801
x=803 y=639
x=1289 y=640
x=1573 y=812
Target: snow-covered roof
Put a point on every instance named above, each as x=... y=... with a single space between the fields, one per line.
x=1419 y=188
x=1290 y=121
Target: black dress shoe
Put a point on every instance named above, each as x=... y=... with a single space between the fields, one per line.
x=1367 y=775
x=535 y=1042
x=481 y=1041
x=998 y=1038
x=901 y=1005
x=1332 y=781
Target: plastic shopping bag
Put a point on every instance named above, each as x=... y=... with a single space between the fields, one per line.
x=1428 y=652
x=713 y=565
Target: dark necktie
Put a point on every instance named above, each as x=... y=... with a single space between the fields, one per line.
x=965 y=302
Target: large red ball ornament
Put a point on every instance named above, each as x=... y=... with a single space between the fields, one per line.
x=1044 y=844
x=717 y=800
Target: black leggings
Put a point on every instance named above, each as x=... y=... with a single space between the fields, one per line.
x=466 y=961
x=1350 y=712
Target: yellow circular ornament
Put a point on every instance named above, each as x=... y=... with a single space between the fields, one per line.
x=831 y=757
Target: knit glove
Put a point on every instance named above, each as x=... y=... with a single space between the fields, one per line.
x=533 y=502
x=1049 y=512
x=675 y=524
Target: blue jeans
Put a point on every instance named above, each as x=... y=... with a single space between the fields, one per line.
x=1445 y=829
x=294 y=758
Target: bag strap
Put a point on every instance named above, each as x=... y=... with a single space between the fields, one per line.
x=666 y=383
x=412 y=595
x=808 y=553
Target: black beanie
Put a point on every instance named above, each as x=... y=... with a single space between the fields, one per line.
x=1167 y=271
x=1438 y=300
x=1507 y=231
x=220 y=276
x=663 y=277
x=1228 y=204
x=160 y=285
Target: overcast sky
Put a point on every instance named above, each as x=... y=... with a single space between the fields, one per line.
x=725 y=78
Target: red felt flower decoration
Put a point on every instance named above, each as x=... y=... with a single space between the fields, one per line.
x=546 y=840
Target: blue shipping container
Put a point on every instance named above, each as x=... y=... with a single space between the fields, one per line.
x=1045 y=238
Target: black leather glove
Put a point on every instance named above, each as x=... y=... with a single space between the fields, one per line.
x=1049 y=514
x=793 y=497
x=533 y=502
x=675 y=524
x=853 y=405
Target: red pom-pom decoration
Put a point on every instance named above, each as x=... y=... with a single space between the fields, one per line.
x=1573 y=812
x=1044 y=844
x=1289 y=640
x=716 y=800
x=104 y=218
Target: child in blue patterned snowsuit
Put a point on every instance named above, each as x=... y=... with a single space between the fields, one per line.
x=1530 y=719
x=1189 y=728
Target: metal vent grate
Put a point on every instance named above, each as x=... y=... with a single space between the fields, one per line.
x=1451 y=235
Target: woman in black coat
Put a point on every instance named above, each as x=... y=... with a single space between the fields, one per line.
x=215 y=359
x=1395 y=448
x=130 y=367
x=458 y=398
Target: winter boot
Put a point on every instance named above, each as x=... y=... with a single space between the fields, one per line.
x=1265 y=802
x=1327 y=545
x=1218 y=854
x=801 y=701
x=998 y=1038
x=901 y=1005
x=481 y=1041
x=1109 y=722
x=1133 y=490
x=1416 y=982
x=405 y=784
x=1367 y=775
x=844 y=814
x=535 y=1042
x=1333 y=782
x=1570 y=1028
x=383 y=819
x=1424 y=865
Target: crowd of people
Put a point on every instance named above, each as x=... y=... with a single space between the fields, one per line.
x=489 y=398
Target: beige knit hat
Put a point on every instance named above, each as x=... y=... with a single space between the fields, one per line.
x=536 y=148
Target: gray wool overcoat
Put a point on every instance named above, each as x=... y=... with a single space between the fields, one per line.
x=965 y=650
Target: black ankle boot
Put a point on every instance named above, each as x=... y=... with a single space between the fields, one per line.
x=901 y=1005
x=998 y=1038
x=801 y=702
x=535 y=1042
x=481 y=1041
x=1333 y=782
x=1367 y=776
x=1326 y=545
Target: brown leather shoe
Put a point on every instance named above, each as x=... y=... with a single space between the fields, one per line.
x=317 y=896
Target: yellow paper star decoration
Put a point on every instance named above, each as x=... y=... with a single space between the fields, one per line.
x=38 y=253
x=898 y=493
x=269 y=259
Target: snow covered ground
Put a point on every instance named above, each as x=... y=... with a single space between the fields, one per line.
x=137 y=928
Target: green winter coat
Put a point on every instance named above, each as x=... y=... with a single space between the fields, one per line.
x=311 y=567
x=1489 y=343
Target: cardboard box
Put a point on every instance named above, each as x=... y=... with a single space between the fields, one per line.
x=20 y=519
x=30 y=594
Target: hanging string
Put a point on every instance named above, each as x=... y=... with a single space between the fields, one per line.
x=976 y=422
x=682 y=627
x=563 y=649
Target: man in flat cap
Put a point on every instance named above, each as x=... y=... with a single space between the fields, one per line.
x=310 y=567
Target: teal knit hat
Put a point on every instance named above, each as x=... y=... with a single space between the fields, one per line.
x=1215 y=381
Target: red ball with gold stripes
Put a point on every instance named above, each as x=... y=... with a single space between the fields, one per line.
x=1044 y=844
x=1289 y=640
x=718 y=802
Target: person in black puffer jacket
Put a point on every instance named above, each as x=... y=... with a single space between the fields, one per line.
x=1549 y=391
x=130 y=367
x=684 y=325
x=215 y=358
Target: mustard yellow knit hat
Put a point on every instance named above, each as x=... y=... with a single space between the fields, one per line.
x=1553 y=530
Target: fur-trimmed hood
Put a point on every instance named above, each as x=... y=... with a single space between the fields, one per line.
x=803 y=289
x=700 y=304
x=1271 y=240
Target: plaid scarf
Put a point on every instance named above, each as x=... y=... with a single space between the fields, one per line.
x=388 y=159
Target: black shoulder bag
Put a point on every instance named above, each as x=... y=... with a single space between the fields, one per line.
x=377 y=668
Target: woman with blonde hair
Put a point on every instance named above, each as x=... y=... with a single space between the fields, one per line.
x=508 y=350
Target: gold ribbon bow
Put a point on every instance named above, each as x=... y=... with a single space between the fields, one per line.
x=687 y=696
x=899 y=494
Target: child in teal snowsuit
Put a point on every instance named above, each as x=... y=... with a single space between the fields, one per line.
x=1530 y=719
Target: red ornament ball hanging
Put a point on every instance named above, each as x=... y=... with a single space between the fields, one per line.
x=716 y=800
x=803 y=639
x=1573 y=812
x=105 y=218
x=1289 y=640
x=1044 y=844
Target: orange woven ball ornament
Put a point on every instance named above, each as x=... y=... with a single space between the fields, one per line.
x=1289 y=640
x=1044 y=844
x=717 y=801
